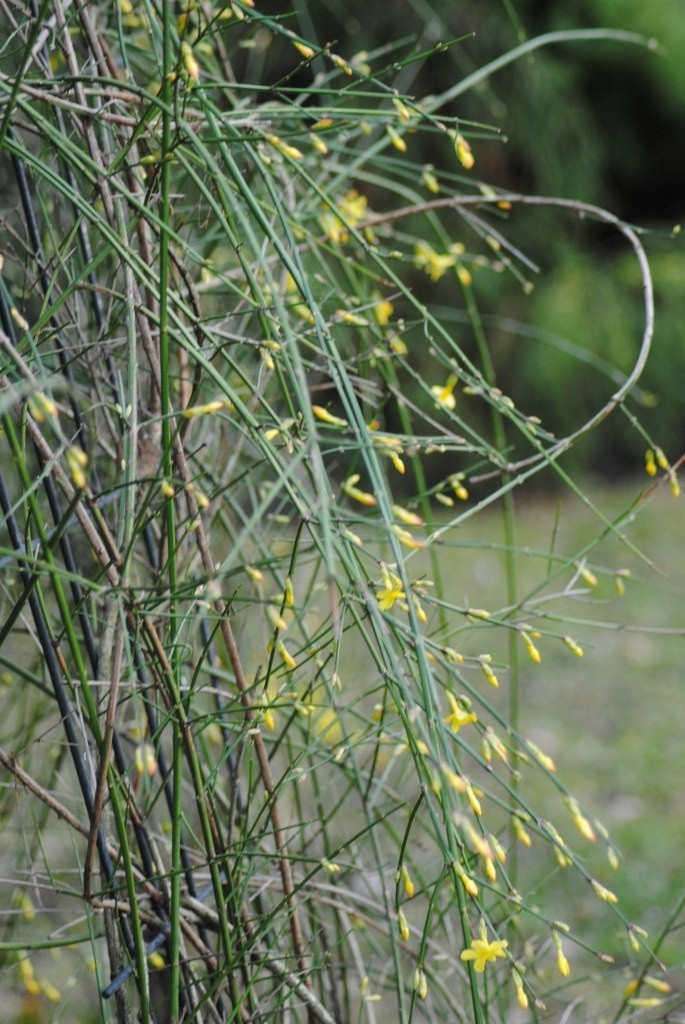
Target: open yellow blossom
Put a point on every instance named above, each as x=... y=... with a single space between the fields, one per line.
x=483 y=952
x=458 y=716
x=435 y=264
x=350 y=210
x=444 y=394
x=392 y=590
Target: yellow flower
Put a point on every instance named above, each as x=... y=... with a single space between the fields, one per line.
x=350 y=210
x=604 y=894
x=587 y=575
x=464 y=275
x=463 y=151
x=661 y=459
x=396 y=139
x=456 y=482
x=573 y=647
x=580 y=821
x=435 y=264
x=530 y=647
x=350 y=317
x=303 y=49
x=409 y=887
x=521 y=997
x=286 y=656
x=404 y=537
x=189 y=62
x=466 y=880
x=327 y=417
x=487 y=671
x=673 y=483
x=429 y=179
x=407 y=517
x=318 y=144
x=340 y=63
x=392 y=590
x=383 y=310
x=458 y=716
x=563 y=965
x=349 y=487
x=402 y=925
x=521 y=833
x=403 y=112
x=353 y=206
x=283 y=147
x=484 y=952
x=420 y=983
x=77 y=460
x=41 y=407
x=444 y=393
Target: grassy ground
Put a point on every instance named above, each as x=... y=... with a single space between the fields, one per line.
x=613 y=720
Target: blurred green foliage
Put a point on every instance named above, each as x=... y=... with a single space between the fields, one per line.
x=594 y=121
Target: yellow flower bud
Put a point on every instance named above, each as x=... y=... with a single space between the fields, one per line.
x=397 y=140
x=402 y=925
x=573 y=647
x=602 y=892
x=463 y=151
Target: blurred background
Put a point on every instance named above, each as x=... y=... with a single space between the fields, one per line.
x=597 y=121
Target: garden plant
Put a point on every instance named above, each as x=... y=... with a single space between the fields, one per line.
x=263 y=758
